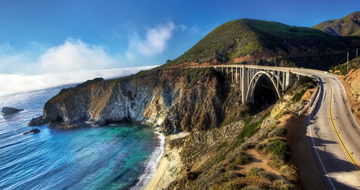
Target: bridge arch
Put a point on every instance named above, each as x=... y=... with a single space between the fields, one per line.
x=254 y=81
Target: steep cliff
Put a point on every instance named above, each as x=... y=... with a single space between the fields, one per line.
x=177 y=99
x=251 y=153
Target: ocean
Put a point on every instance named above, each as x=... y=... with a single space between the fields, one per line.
x=108 y=157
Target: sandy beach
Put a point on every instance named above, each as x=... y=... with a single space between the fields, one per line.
x=169 y=166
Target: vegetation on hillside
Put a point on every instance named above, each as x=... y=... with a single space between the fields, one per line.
x=228 y=157
x=344 y=68
x=243 y=37
x=346 y=26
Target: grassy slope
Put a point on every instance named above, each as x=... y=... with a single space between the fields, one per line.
x=243 y=37
x=346 y=26
x=342 y=68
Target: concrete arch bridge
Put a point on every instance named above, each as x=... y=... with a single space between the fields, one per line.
x=275 y=79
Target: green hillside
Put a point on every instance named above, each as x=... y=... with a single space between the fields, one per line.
x=346 y=26
x=243 y=37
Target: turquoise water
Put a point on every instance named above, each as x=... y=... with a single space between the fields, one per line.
x=109 y=157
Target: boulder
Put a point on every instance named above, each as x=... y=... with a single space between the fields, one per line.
x=10 y=110
x=32 y=131
x=37 y=121
x=99 y=122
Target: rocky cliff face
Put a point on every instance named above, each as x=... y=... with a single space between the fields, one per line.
x=176 y=99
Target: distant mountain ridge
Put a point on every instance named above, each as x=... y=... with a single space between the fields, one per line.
x=258 y=42
x=346 y=26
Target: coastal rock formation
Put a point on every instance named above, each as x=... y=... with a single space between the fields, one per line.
x=10 y=110
x=175 y=99
x=37 y=121
x=32 y=131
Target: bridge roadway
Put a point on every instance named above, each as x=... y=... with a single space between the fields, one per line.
x=334 y=135
x=332 y=130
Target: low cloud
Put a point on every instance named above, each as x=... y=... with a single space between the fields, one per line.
x=14 y=83
x=72 y=55
x=75 y=55
x=71 y=62
x=74 y=61
x=154 y=43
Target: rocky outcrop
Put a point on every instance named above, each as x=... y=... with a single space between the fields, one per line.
x=10 y=110
x=32 y=131
x=37 y=121
x=175 y=99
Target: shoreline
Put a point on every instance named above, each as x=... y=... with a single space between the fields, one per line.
x=163 y=177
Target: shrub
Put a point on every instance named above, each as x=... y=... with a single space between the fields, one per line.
x=305 y=79
x=282 y=131
x=298 y=96
x=260 y=173
x=243 y=159
x=342 y=69
x=279 y=148
x=260 y=147
x=276 y=161
x=237 y=143
x=243 y=113
x=293 y=29
x=278 y=132
x=281 y=184
x=289 y=173
x=230 y=167
x=221 y=145
x=231 y=175
x=250 y=130
x=248 y=145
x=221 y=158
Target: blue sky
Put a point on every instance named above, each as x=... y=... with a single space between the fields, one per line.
x=40 y=37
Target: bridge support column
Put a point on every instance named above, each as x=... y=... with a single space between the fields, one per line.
x=283 y=82
x=244 y=83
x=288 y=79
x=232 y=75
x=278 y=80
x=236 y=74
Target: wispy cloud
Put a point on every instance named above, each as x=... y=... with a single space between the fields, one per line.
x=154 y=43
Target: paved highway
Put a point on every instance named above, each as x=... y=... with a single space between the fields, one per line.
x=335 y=135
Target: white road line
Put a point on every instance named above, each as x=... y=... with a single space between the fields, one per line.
x=322 y=165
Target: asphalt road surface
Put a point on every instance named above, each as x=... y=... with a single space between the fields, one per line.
x=334 y=135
